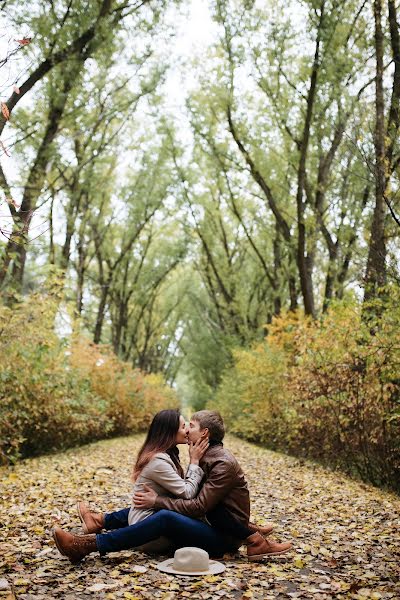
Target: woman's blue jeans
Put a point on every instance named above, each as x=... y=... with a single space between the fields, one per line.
x=180 y=530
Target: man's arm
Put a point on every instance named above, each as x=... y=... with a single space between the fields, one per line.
x=218 y=485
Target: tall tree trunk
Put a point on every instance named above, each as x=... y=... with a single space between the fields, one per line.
x=52 y=250
x=105 y=286
x=277 y=272
x=101 y=313
x=305 y=262
x=375 y=277
x=16 y=248
x=293 y=293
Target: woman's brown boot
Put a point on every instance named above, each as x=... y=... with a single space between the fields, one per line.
x=74 y=547
x=92 y=522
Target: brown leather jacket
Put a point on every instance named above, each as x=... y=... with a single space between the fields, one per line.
x=224 y=483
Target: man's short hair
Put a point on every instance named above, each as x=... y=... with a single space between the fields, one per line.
x=212 y=420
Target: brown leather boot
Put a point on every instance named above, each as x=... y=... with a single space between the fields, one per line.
x=74 y=547
x=258 y=547
x=91 y=522
x=263 y=529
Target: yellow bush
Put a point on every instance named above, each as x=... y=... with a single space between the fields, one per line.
x=55 y=396
x=132 y=397
x=327 y=390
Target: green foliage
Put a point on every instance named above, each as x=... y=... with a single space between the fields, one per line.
x=53 y=395
x=325 y=390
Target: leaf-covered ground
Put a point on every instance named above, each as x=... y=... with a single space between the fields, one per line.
x=346 y=535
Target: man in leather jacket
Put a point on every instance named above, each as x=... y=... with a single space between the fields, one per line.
x=223 y=500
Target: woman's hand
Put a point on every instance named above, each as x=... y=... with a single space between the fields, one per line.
x=197 y=450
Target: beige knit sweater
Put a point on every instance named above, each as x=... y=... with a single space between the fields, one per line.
x=162 y=476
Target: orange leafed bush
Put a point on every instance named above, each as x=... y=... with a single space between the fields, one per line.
x=55 y=395
x=327 y=390
x=133 y=397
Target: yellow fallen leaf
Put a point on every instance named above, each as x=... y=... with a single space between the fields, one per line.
x=211 y=579
x=39 y=530
x=139 y=588
x=299 y=563
x=294 y=533
x=115 y=573
x=21 y=582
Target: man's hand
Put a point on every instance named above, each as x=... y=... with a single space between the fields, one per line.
x=145 y=499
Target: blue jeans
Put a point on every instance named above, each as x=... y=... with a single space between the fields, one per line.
x=180 y=530
x=117 y=519
x=219 y=518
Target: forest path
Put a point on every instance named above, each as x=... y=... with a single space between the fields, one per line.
x=346 y=535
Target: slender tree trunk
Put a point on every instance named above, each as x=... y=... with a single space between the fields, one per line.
x=80 y=279
x=16 y=249
x=375 y=277
x=277 y=273
x=105 y=288
x=79 y=287
x=82 y=251
x=330 y=277
x=120 y=324
x=304 y=262
x=101 y=313
x=72 y=212
x=52 y=250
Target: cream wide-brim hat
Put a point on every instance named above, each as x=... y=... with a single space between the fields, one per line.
x=191 y=561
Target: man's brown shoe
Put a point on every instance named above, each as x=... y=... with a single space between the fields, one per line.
x=263 y=529
x=258 y=547
x=74 y=547
x=91 y=522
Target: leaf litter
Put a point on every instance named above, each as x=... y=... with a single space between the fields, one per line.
x=346 y=535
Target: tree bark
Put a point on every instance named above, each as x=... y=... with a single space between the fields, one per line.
x=304 y=261
x=101 y=310
x=17 y=245
x=375 y=277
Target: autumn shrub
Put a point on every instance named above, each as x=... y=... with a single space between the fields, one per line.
x=55 y=394
x=131 y=397
x=326 y=390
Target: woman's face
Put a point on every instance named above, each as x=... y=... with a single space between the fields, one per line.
x=181 y=436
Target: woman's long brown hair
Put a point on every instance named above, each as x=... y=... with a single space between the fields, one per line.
x=161 y=437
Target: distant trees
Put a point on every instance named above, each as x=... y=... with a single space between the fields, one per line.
x=176 y=242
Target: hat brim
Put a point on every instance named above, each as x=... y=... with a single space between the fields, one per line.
x=215 y=567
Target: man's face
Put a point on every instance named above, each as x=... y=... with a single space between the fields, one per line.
x=194 y=432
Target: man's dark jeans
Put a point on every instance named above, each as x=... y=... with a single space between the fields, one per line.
x=180 y=530
x=222 y=520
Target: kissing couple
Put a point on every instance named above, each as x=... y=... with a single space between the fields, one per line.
x=209 y=507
